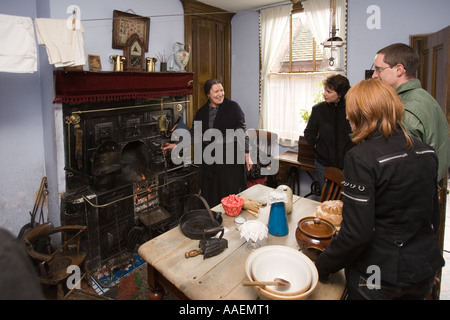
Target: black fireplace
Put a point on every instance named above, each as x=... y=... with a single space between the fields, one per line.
x=118 y=182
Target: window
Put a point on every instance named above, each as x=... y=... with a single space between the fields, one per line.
x=291 y=60
x=302 y=53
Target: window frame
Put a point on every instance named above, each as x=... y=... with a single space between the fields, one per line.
x=287 y=137
x=298 y=8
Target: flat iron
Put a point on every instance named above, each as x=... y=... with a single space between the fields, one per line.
x=210 y=247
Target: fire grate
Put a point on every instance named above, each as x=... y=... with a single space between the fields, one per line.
x=153 y=216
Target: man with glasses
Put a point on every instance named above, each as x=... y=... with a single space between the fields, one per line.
x=397 y=65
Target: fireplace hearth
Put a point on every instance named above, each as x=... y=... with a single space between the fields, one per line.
x=118 y=182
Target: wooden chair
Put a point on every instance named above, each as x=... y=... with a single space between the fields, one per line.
x=51 y=264
x=333 y=186
x=264 y=144
x=306 y=158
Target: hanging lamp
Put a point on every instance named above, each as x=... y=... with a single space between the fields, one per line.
x=333 y=47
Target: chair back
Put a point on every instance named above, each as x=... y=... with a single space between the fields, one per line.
x=264 y=145
x=39 y=231
x=264 y=153
x=332 y=188
x=305 y=152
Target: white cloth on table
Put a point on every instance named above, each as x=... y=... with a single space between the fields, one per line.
x=65 y=46
x=18 y=51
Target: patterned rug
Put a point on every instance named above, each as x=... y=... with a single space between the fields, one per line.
x=128 y=282
x=134 y=285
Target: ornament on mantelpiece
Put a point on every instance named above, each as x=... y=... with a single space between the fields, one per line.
x=163 y=58
x=134 y=53
x=181 y=54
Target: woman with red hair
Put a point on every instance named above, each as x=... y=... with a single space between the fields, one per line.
x=387 y=242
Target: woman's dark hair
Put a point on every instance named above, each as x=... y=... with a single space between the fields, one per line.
x=208 y=84
x=338 y=83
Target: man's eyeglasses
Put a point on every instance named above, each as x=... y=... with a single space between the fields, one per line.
x=378 y=69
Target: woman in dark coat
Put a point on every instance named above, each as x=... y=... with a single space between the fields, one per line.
x=220 y=175
x=387 y=242
x=328 y=131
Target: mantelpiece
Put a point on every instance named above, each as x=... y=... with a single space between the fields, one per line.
x=74 y=87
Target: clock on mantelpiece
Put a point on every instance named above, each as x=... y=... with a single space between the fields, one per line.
x=134 y=52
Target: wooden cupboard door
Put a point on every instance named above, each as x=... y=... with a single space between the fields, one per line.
x=419 y=43
x=439 y=87
x=210 y=57
x=205 y=61
x=434 y=73
x=208 y=30
x=434 y=69
x=438 y=68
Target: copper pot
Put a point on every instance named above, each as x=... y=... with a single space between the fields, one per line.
x=314 y=235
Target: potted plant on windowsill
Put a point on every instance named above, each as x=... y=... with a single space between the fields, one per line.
x=304 y=114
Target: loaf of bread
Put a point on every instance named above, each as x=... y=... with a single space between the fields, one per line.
x=331 y=211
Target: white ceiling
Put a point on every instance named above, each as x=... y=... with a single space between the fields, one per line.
x=241 y=5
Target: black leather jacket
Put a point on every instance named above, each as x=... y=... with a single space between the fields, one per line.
x=327 y=133
x=390 y=213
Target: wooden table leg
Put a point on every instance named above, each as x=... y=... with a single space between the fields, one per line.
x=155 y=291
x=158 y=285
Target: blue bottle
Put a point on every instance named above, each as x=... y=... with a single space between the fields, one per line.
x=278 y=225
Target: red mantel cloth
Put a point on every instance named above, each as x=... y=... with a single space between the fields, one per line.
x=75 y=87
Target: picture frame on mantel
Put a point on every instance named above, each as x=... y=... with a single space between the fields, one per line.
x=125 y=25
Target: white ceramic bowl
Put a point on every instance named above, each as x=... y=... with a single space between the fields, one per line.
x=282 y=264
x=263 y=292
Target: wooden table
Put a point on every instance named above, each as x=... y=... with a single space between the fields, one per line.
x=291 y=157
x=289 y=165
x=221 y=276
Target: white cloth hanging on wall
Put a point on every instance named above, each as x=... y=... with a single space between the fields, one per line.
x=65 y=46
x=18 y=53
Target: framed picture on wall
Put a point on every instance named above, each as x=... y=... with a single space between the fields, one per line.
x=125 y=25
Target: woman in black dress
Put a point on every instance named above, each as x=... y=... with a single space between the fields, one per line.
x=224 y=161
x=328 y=130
